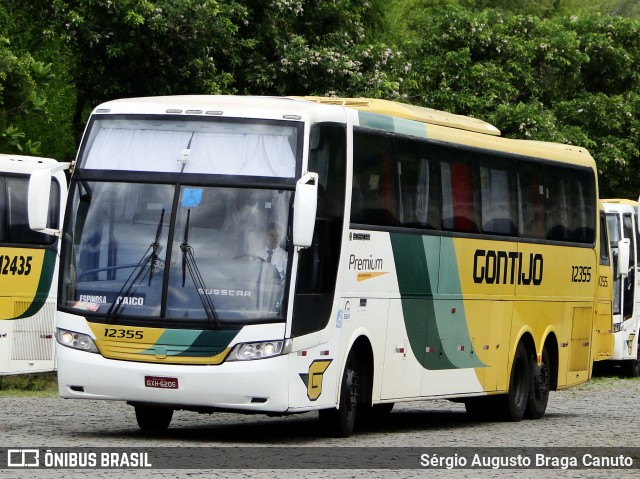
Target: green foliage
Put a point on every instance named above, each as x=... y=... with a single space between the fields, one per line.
x=570 y=80
x=29 y=384
x=38 y=122
x=19 y=97
x=141 y=48
x=553 y=70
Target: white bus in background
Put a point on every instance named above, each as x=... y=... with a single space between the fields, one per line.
x=622 y=221
x=28 y=266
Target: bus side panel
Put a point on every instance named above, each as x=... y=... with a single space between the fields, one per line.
x=402 y=373
x=315 y=371
x=27 y=310
x=435 y=318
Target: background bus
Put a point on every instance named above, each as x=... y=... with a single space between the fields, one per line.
x=622 y=220
x=426 y=257
x=28 y=268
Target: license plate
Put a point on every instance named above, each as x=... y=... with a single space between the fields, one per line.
x=160 y=382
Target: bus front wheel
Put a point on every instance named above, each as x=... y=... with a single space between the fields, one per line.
x=153 y=419
x=340 y=422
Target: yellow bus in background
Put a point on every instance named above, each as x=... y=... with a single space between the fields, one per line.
x=420 y=255
x=28 y=267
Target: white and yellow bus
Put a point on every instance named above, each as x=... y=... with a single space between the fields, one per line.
x=28 y=267
x=622 y=220
x=414 y=254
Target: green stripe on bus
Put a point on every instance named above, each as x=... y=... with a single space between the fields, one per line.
x=193 y=343
x=375 y=121
x=436 y=329
x=44 y=284
x=410 y=127
x=392 y=124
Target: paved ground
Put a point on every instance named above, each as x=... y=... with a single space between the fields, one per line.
x=599 y=414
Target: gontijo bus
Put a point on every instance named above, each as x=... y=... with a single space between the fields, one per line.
x=28 y=266
x=426 y=257
x=622 y=221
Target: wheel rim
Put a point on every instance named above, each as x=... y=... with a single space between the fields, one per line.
x=541 y=382
x=352 y=391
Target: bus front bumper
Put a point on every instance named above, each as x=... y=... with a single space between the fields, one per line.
x=249 y=386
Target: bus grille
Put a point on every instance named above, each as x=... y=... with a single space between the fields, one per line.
x=34 y=337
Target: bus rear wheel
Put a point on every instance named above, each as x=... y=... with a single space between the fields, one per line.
x=153 y=419
x=512 y=405
x=539 y=386
x=631 y=368
x=340 y=422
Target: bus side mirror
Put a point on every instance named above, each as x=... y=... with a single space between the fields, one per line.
x=624 y=248
x=305 y=205
x=38 y=198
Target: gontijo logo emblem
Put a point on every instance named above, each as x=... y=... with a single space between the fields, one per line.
x=313 y=379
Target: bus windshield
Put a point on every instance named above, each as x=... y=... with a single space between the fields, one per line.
x=187 y=254
x=14 y=220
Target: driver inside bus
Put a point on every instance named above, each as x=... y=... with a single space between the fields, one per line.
x=272 y=252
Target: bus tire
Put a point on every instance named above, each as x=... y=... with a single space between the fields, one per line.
x=631 y=368
x=381 y=409
x=478 y=408
x=153 y=419
x=512 y=405
x=340 y=422
x=539 y=386
x=372 y=413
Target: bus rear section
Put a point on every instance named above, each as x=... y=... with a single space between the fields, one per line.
x=28 y=269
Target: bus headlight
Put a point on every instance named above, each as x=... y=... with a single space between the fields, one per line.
x=259 y=350
x=74 y=340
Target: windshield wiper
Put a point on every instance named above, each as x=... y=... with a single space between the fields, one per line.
x=189 y=262
x=147 y=260
x=156 y=246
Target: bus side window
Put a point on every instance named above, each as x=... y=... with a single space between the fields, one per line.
x=419 y=185
x=583 y=213
x=460 y=202
x=557 y=205
x=498 y=198
x=604 y=241
x=531 y=201
x=374 y=191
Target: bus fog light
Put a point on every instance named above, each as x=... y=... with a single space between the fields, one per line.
x=74 y=340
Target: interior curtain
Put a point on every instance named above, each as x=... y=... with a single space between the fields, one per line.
x=211 y=153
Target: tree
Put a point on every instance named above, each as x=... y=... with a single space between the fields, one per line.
x=324 y=47
x=22 y=80
x=569 y=80
x=142 y=48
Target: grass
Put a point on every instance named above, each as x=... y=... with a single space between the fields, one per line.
x=39 y=384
